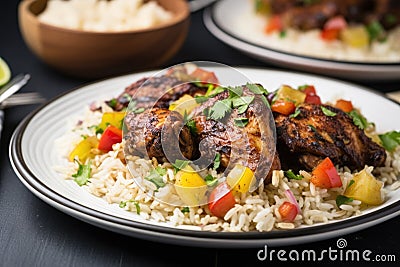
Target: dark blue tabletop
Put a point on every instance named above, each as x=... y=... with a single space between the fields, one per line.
x=34 y=233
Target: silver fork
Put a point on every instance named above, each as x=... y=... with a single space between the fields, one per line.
x=22 y=99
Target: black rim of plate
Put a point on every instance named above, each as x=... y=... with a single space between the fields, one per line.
x=22 y=169
x=210 y=13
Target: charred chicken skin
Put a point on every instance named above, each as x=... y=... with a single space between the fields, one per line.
x=252 y=146
x=304 y=140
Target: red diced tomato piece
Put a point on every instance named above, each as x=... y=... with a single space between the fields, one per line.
x=274 y=24
x=325 y=175
x=313 y=99
x=344 y=105
x=110 y=136
x=283 y=107
x=204 y=76
x=330 y=34
x=288 y=211
x=309 y=90
x=221 y=200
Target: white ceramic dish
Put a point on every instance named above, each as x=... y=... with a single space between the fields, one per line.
x=32 y=154
x=222 y=21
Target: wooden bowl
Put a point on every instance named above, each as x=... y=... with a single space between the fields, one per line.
x=100 y=54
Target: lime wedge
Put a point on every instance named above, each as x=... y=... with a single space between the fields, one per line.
x=5 y=73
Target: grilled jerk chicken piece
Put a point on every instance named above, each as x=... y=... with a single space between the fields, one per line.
x=157 y=91
x=311 y=136
x=304 y=15
x=252 y=146
x=158 y=133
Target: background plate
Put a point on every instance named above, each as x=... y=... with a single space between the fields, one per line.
x=33 y=155
x=221 y=20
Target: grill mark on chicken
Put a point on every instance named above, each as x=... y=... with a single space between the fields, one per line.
x=311 y=136
x=158 y=133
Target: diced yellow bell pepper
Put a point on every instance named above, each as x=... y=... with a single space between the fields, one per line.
x=365 y=188
x=356 y=36
x=185 y=103
x=84 y=149
x=112 y=118
x=288 y=93
x=190 y=187
x=240 y=178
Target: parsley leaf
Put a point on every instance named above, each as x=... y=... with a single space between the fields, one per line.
x=213 y=91
x=265 y=101
x=340 y=200
x=328 y=112
x=390 y=140
x=240 y=101
x=241 y=122
x=217 y=161
x=291 y=175
x=81 y=177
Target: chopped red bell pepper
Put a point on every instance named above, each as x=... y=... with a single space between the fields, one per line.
x=344 y=105
x=221 y=200
x=332 y=28
x=110 y=136
x=274 y=24
x=325 y=175
x=283 y=107
x=288 y=211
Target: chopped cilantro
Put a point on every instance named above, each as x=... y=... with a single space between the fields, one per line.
x=156 y=175
x=81 y=177
x=282 y=34
x=99 y=130
x=291 y=175
x=390 y=140
x=376 y=31
x=241 y=122
x=139 y=110
x=112 y=103
x=390 y=19
x=240 y=101
x=185 y=210
x=256 y=89
x=213 y=91
x=122 y=204
x=265 y=101
x=236 y=91
x=220 y=109
x=358 y=119
x=296 y=113
x=210 y=180
x=217 y=161
x=180 y=164
x=191 y=124
x=328 y=112
x=340 y=200
x=350 y=183
x=312 y=128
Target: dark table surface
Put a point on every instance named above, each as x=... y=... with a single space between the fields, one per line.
x=34 y=233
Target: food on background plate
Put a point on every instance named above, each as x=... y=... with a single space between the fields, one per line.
x=335 y=29
x=182 y=149
x=103 y=15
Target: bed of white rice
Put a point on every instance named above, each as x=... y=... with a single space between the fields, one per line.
x=258 y=211
x=251 y=27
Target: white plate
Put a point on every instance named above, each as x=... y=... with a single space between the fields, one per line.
x=222 y=21
x=33 y=153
